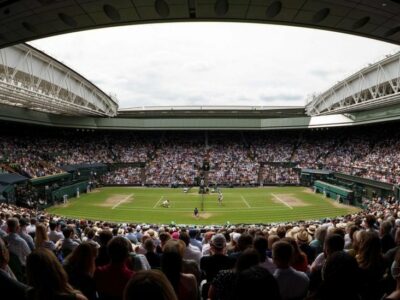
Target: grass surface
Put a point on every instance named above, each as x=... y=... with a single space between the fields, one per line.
x=240 y=205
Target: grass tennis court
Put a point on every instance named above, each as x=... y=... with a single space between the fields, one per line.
x=240 y=205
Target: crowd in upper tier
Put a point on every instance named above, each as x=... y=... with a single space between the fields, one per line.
x=353 y=257
x=123 y=176
x=245 y=158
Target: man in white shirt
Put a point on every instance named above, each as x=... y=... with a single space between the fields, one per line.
x=292 y=284
x=31 y=229
x=191 y=252
x=16 y=244
x=55 y=234
x=24 y=234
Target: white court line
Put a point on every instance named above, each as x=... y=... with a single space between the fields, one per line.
x=279 y=199
x=245 y=202
x=123 y=200
x=180 y=209
x=155 y=205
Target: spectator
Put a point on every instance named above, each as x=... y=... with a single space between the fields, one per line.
x=102 y=258
x=90 y=238
x=370 y=261
x=222 y=287
x=24 y=233
x=193 y=233
x=185 y=285
x=395 y=273
x=80 y=267
x=112 y=278
x=152 y=257
x=47 y=278
x=9 y=285
x=151 y=284
x=292 y=284
x=256 y=283
x=55 y=234
x=299 y=258
x=217 y=261
x=131 y=236
x=16 y=244
x=261 y=246
x=244 y=241
x=42 y=240
x=69 y=243
x=191 y=252
x=340 y=278
x=387 y=241
x=318 y=242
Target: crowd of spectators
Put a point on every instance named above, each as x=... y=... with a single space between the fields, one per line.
x=372 y=154
x=28 y=157
x=231 y=163
x=378 y=162
x=175 y=162
x=273 y=147
x=123 y=176
x=177 y=159
x=313 y=148
x=36 y=155
x=273 y=174
x=128 y=148
x=355 y=256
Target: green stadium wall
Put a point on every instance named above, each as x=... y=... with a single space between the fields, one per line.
x=23 y=115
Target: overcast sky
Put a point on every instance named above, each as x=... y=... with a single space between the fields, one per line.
x=213 y=63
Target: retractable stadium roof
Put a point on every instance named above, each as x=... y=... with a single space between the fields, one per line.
x=25 y=20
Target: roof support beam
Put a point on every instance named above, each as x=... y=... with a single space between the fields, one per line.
x=378 y=84
x=30 y=73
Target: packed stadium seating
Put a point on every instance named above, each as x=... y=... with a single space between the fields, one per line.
x=238 y=159
x=351 y=257
x=317 y=255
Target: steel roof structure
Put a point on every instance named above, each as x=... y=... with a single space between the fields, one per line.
x=25 y=20
x=377 y=85
x=31 y=79
x=212 y=111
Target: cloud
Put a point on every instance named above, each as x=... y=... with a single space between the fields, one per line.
x=325 y=73
x=212 y=63
x=282 y=97
x=321 y=73
x=197 y=66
